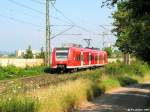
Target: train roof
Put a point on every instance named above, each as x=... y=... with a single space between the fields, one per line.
x=79 y=48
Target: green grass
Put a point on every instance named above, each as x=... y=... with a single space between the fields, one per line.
x=109 y=84
x=18 y=104
x=11 y=72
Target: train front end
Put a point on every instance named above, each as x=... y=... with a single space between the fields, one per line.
x=59 y=59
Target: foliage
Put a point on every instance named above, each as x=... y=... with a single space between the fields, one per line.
x=135 y=68
x=109 y=51
x=117 y=54
x=11 y=72
x=28 y=54
x=42 y=54
x=132 y=22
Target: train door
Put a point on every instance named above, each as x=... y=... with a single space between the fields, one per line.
x=98 y=58
x=101 y=58
x=89 y=58
x=85 y=60
x=106 y=58
x=82 y=59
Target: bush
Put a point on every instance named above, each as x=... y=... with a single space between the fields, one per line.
x=139 y=67
x=135 y=68
x=109 y=84
x=124 y=81
x=116 y=68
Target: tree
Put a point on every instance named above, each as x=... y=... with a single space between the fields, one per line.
x=117 y=54
x=42 y=53
x=132 y=25
x=109 y=51
x=28 y=53
x=122 y=27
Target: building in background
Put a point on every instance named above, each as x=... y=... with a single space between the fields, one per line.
x=21 y=53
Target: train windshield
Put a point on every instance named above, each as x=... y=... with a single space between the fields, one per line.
x=61 y=55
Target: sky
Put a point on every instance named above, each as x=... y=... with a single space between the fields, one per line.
x=22 y=23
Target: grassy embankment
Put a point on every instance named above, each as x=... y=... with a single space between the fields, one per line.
x=12 y=72
x=64 y=97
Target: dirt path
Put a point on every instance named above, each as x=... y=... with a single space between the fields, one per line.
x=127 y=99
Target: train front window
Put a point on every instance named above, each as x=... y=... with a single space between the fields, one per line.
x=61 y=55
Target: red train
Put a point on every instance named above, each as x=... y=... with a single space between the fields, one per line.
x=73 y=58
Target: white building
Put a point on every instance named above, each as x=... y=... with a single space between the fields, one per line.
x=21 y=53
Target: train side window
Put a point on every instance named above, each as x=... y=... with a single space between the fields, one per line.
x=90 y=57
x=95 y=58
x=78 y=58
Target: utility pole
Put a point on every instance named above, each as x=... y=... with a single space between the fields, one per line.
x=48 y=35
x=88 y=41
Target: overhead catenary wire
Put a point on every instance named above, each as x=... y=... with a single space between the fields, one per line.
x=26 y=22
x=57 y=10
x=103 y=27
x=61 y=20
x=62 y=32
x=60 y=12
x=35 y=10
x=72 y=22
x=19 y=20
x=42 y=3
x=23 y=13
x=81 y=34
x=25 y=6
x=39 y=2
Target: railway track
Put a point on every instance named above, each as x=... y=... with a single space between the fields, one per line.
x=33 y=82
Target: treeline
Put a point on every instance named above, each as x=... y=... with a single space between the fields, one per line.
x=132 y=27
x=29 y=53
